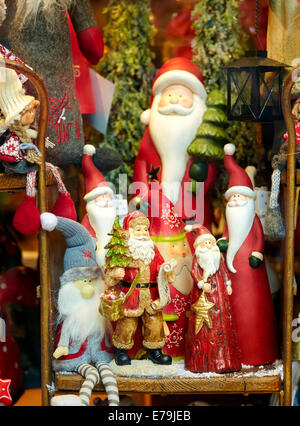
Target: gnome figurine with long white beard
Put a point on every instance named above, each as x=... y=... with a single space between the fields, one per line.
x=82 y=334
x=243 y=242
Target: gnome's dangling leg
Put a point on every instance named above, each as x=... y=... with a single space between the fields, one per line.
x=92 y=377
x=110 y=383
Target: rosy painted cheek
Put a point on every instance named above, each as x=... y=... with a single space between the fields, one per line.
x=186 y=103
x=164 y=101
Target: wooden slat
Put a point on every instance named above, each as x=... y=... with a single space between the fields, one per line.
x=223 y=383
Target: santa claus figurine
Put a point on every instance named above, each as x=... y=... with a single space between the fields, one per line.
x=175 y=113
x=82 y=334
x=101 y=211
x=211 y=341
x=243 y=241
x=148 y=298
x=167 y=231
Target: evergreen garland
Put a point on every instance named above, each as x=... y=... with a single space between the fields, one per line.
x=219 y=39
x=128 y=36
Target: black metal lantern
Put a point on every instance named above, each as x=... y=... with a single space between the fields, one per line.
x=254 y=88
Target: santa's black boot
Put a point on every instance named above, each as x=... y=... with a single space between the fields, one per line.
x=156 y=356
x=121 y=357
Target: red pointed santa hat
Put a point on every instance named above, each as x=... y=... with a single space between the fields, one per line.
x=165 y=224
x=201 y=232
x=239 y=181
x=95 y=183
x=178 y=70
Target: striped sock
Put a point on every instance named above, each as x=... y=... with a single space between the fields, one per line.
x=92 y=377
x=110 y=384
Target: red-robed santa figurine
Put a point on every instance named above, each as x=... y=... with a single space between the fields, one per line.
x=148 y=298
x=211 y=341
x=243 y=238
x=176 y=108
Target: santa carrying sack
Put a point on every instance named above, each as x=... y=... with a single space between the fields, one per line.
x=243 y=242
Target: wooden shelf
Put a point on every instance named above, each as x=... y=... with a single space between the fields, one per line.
x=254 y=380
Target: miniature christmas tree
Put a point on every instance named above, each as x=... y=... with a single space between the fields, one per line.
x=118 y=255
x=211 y=135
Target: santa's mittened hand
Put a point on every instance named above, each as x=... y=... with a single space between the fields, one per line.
x=222 y=243
x=91 y=44
x=254 y=261
x=60 y=351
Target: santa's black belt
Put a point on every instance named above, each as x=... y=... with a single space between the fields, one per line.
x=139 y=285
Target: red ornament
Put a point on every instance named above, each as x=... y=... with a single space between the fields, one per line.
x=5 y=397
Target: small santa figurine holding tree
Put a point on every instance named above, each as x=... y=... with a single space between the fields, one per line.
x=211 y=341
x=101 y=211
x=243 y=242
x=149 y=296
x=176 y=109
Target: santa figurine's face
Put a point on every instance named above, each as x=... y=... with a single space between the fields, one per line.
x=237 y=200
x=178 y=249
x=141 y=231
x=176 y=99
x=140 y=245
x=175 y=116
x=240 y=213
x=104 y=200
x=86 y=287
x=208 y=256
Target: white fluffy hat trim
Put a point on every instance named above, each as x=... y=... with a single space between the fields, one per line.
x=89 y=149
x=243 y=190
x=145 y=117
x=203 y=238
x=229 y=149
x=48 y=221
x=179 y=77
x=99 y=190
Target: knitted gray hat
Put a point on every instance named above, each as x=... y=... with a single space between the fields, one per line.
x=80 y=256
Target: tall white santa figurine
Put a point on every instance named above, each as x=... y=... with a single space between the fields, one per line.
x=101 y=211
x=243 y=241
x=176 y=109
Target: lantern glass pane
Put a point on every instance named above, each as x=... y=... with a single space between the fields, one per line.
x=241 y=83
x=269 y=92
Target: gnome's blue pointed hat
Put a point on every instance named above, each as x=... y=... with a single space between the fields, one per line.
x=80 y=256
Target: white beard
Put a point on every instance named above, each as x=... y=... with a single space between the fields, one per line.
x=102 y=220
x=29 y=9
x=141 y=249
x=171 y=135
x=239 y=222
x=208 y=260
x=80 y=316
